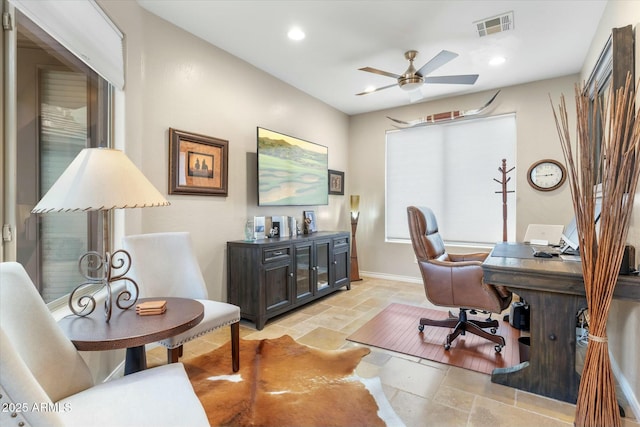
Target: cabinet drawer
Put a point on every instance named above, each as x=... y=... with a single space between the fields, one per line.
x=344 y=241
x=276 y=254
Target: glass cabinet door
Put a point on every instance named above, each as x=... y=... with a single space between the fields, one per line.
x=304 y=276
x=322 y=265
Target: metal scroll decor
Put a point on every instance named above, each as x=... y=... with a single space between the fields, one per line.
x=103 y=271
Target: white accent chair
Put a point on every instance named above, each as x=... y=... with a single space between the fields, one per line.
x=165 y=265
x=45 y=382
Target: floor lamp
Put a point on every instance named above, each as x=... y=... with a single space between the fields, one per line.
x=101 y=179
x=355 y=213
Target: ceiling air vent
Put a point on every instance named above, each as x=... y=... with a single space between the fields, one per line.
x=495 y=24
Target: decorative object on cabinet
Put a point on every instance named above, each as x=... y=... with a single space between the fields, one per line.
x=259 y=227
x=336 y=182
x=101 y=179
x=309 y=222
x=198 y=164
x=249 y=234
x=546 y=175
x=291 y=171
x=355 y=214
x=270 y=277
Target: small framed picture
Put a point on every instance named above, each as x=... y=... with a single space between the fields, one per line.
x=336 y=182
x=309 y=222
x=197 y=164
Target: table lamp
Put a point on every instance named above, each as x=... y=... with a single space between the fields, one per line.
x=355 y=213
x=101 y=179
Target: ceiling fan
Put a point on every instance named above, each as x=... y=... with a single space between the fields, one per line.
x=412 y=79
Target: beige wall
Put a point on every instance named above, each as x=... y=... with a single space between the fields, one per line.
x=176 y=80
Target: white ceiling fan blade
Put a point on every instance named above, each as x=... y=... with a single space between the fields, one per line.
x=436 y=62
x=366 y=92
x=465 y=79
x=380 y=72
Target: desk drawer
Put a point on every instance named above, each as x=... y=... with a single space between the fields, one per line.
x=276 y=254
x=343 y=241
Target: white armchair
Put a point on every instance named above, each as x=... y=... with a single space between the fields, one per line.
x=165 y=265
x=45 y=382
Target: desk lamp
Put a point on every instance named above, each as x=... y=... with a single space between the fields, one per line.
x=355 y=213
x=101 y=179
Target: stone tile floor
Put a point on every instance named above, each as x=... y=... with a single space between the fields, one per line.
x=422 y=392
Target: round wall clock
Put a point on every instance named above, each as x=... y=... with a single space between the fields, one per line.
x=547 y=175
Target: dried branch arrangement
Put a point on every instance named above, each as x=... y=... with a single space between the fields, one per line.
x=601 y=252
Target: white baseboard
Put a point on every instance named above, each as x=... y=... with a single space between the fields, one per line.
x=376 y=275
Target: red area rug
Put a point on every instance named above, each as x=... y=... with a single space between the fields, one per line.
x=396 y=329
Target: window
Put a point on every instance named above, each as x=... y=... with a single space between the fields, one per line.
x=63 y=106
x=451 y=168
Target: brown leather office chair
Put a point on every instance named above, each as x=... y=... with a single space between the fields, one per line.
x=453 y=280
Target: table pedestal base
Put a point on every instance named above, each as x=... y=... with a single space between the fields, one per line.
x=135 y=360
x=551 y=370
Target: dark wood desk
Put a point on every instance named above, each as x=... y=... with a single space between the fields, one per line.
x=128 y=330
x=554 y=290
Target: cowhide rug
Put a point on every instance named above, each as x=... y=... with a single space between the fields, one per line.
x=284 y=383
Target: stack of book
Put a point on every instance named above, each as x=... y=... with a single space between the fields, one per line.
x=150 y=308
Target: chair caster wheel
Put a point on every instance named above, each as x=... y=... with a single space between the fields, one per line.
x=498 y=348
x=421 y=328
x=494 y=330
x=447 y=346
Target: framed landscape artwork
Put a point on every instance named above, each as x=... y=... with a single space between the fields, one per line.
x=291 y=171
x=197 y=164
x=336 y=182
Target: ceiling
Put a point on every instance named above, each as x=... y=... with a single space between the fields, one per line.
x=549 y=39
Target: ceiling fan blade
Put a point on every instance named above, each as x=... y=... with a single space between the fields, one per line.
x=436 y=62
x=465 y=79
x=382 y=73
x=376 y=90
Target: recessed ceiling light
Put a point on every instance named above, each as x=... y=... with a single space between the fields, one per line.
x=498 y=60
x=296 y=34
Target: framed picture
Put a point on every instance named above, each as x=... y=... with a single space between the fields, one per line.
x=309 y=222
x=336 y=182
x=197 y=164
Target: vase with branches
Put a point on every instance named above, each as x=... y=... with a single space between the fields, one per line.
x=617 y=166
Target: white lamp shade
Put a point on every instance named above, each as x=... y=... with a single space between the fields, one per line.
x=100 y=179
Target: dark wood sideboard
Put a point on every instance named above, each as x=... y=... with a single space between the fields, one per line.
x=268 y=277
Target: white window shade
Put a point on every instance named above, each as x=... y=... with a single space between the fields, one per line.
x=84 y=29
x=451 y=168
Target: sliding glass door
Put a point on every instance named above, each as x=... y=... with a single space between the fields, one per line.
x=62 y=106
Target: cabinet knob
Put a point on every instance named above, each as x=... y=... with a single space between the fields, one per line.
x=290 y=274
x=335 y=262
x=314 y=268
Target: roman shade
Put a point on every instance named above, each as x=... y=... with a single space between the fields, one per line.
x=83 y=28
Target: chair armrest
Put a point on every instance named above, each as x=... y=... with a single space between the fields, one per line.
x=161 y=396
x=479 y=256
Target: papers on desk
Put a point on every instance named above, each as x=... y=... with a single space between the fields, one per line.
x=151 y=308
x=570 y=257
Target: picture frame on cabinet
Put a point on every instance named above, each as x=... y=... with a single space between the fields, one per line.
x=198 y=164
x=309 y=222
x=336 y=182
